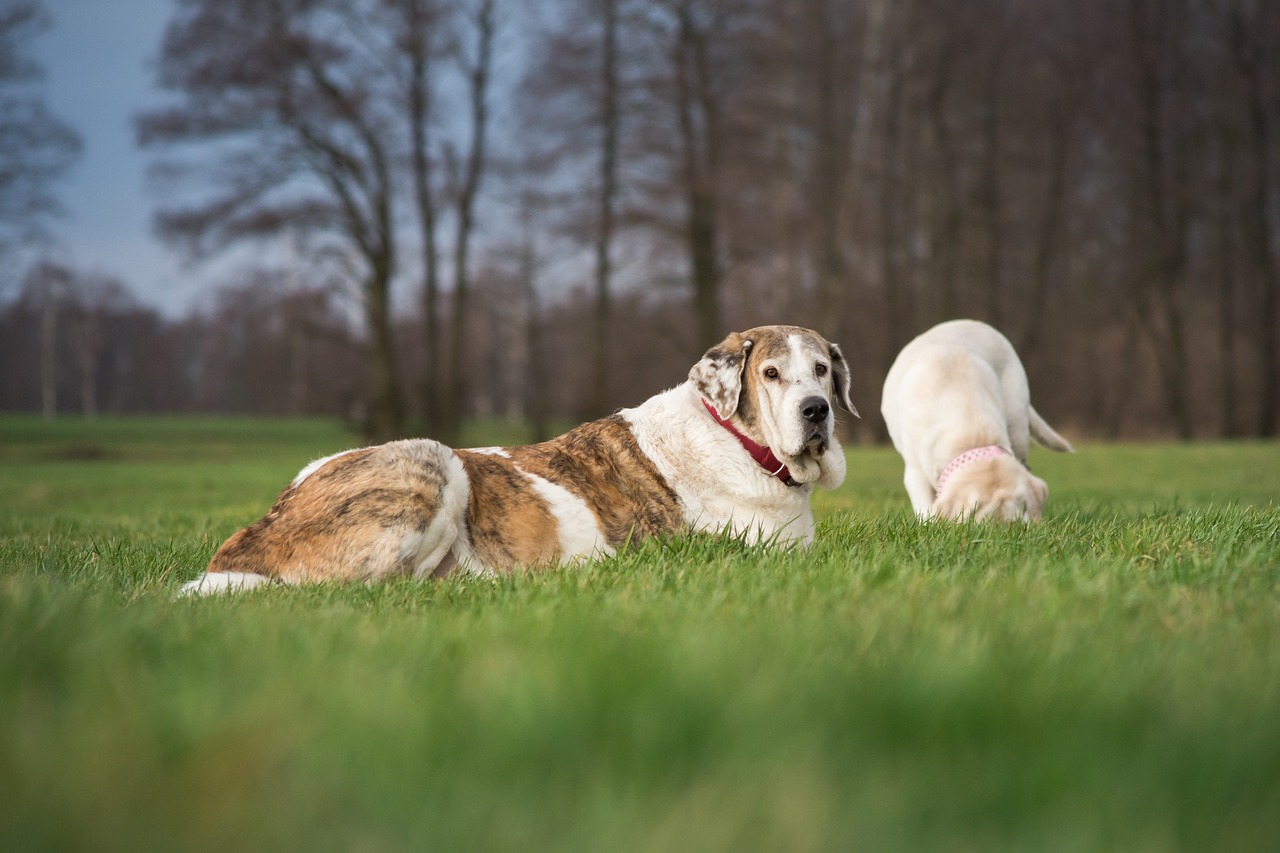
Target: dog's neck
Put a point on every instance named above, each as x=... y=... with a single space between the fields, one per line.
x=988 y=451
x=763 y=455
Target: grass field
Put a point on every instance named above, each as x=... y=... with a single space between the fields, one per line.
x=1106 y=680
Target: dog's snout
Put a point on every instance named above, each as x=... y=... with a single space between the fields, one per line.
x=815 y=409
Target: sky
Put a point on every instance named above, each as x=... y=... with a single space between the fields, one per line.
x=98 y=59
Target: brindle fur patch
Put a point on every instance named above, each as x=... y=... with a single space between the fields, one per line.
x=769 y=342
x=601 y=463
x=346 y=520
x=509 y=522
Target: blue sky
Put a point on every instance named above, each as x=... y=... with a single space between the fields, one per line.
x=98 y=59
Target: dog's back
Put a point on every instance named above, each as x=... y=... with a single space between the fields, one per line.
x=991 y=363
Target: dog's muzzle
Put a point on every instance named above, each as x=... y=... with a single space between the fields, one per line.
x=815 y=411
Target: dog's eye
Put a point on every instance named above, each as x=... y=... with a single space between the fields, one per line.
x=771 y=372
x=820 y=370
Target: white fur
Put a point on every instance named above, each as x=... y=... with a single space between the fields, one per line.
x=958 y=386
x=491 y=451
x=312 y=467
x=717 y=482
x=222 y=582
x=577 y=527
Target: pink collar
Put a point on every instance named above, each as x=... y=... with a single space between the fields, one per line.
x=764 y=456
x=990 y=451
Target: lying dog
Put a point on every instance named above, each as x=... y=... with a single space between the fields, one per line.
x=958 y=410
x=737 y=447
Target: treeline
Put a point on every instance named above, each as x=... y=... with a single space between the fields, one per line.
x=74 y=344
x=550 y=209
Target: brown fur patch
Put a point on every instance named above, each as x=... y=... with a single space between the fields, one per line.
x=767 y=342
x=601 y=463
x=345 y=520
x=509 y=522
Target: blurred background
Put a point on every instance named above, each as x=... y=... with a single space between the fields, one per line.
x=410 y=213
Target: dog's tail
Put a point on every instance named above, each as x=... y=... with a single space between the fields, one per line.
x=1044 y=434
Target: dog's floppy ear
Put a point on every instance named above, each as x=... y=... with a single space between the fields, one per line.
x=840 y=379
x=718 y=375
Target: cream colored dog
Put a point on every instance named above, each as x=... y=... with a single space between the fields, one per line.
x=959 y=412
x=738 y=447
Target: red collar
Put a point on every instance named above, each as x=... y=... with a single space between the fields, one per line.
x=763 y=455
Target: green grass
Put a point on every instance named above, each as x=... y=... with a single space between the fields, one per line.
x=1108 y=679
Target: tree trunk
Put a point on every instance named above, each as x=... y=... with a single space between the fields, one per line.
x=698 y=136
x=899 y=307
x=599 y=399
x=424 y=199
x=1229 y=425
x=1263 y=222
x=49 y=355
x=89 y=347
x=1162 y=256
x=831 y=178
x=474 y=170
x=1049 y=231
x=535 y=379
x=386 y=417
x=947 y=218
x=990 y=193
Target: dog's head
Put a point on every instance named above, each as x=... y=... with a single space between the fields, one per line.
x=777 y=384
x=1001 y=489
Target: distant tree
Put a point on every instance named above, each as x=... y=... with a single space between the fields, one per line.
x=295 y=96
x=580 y=87
x=476 y=58
x=47 y=287
x=36 y=147
x=75 y=329
x=424 y=44
x=695 y=29
x=1251 y=31
x=93 y=301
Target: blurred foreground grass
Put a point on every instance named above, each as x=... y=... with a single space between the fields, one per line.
x=1108 y=679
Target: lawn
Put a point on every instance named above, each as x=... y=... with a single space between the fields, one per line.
x=1107 y=679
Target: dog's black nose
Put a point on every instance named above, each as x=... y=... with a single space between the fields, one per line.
x=815 y=409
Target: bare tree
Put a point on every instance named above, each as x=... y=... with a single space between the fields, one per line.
x=608 y=178
x=93 y=300
x=294 y=95
x=48 y=284
x=578 y=88
x=1253 y=38
x=698 y=107
x=1156 y=30
x=36 y=147
x=1099 y=179
x=423 y=44
x=477 y=65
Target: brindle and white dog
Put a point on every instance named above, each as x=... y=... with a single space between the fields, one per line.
x=738 y=448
